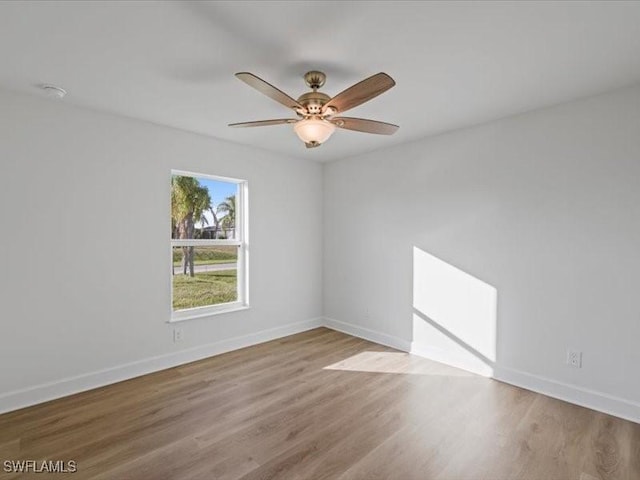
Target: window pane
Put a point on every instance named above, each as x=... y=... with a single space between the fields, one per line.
x=214 y=278
x=202 y=208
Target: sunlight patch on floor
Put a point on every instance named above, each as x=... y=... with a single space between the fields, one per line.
x=395 y=362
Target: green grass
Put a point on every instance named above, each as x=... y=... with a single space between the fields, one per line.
x=177 y=263
x=206 y=288
x=208 y=255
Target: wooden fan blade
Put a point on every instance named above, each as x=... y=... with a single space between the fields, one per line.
x=364 y=125
x=264 y=123
x=269 y=90
x=360 y=92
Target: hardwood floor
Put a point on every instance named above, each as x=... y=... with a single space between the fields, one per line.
x=319 y=405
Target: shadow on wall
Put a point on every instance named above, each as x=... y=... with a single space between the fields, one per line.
x=454 y=315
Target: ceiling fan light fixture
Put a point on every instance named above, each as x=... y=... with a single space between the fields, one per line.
x=319 y=114
x=314 y=130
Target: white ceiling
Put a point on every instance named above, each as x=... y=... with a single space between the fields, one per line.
x=455 y=63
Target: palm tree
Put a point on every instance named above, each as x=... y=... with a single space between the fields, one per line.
x=216 y=222
x=203 y=222
x=189 y=200
x=228 y=207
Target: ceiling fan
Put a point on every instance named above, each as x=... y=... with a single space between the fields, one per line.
x=317 y=111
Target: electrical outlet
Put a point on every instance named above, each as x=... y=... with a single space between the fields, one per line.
x=177 y=335
x=574 y=358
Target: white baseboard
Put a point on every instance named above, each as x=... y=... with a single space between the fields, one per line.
x=598 y=401
x=601 y=402
x=367 y=334
x=68 y=386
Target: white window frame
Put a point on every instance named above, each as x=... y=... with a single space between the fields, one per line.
x=241 y=241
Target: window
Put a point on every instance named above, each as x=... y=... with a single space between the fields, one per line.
x=208 y=245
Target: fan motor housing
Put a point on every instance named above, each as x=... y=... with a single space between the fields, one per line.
x=313 y=101
x=315 y=79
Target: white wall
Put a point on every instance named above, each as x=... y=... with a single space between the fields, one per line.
x=541 y=211
x=84 y=249
x=544 y=207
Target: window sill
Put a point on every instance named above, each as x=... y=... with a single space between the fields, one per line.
x=192 y=314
